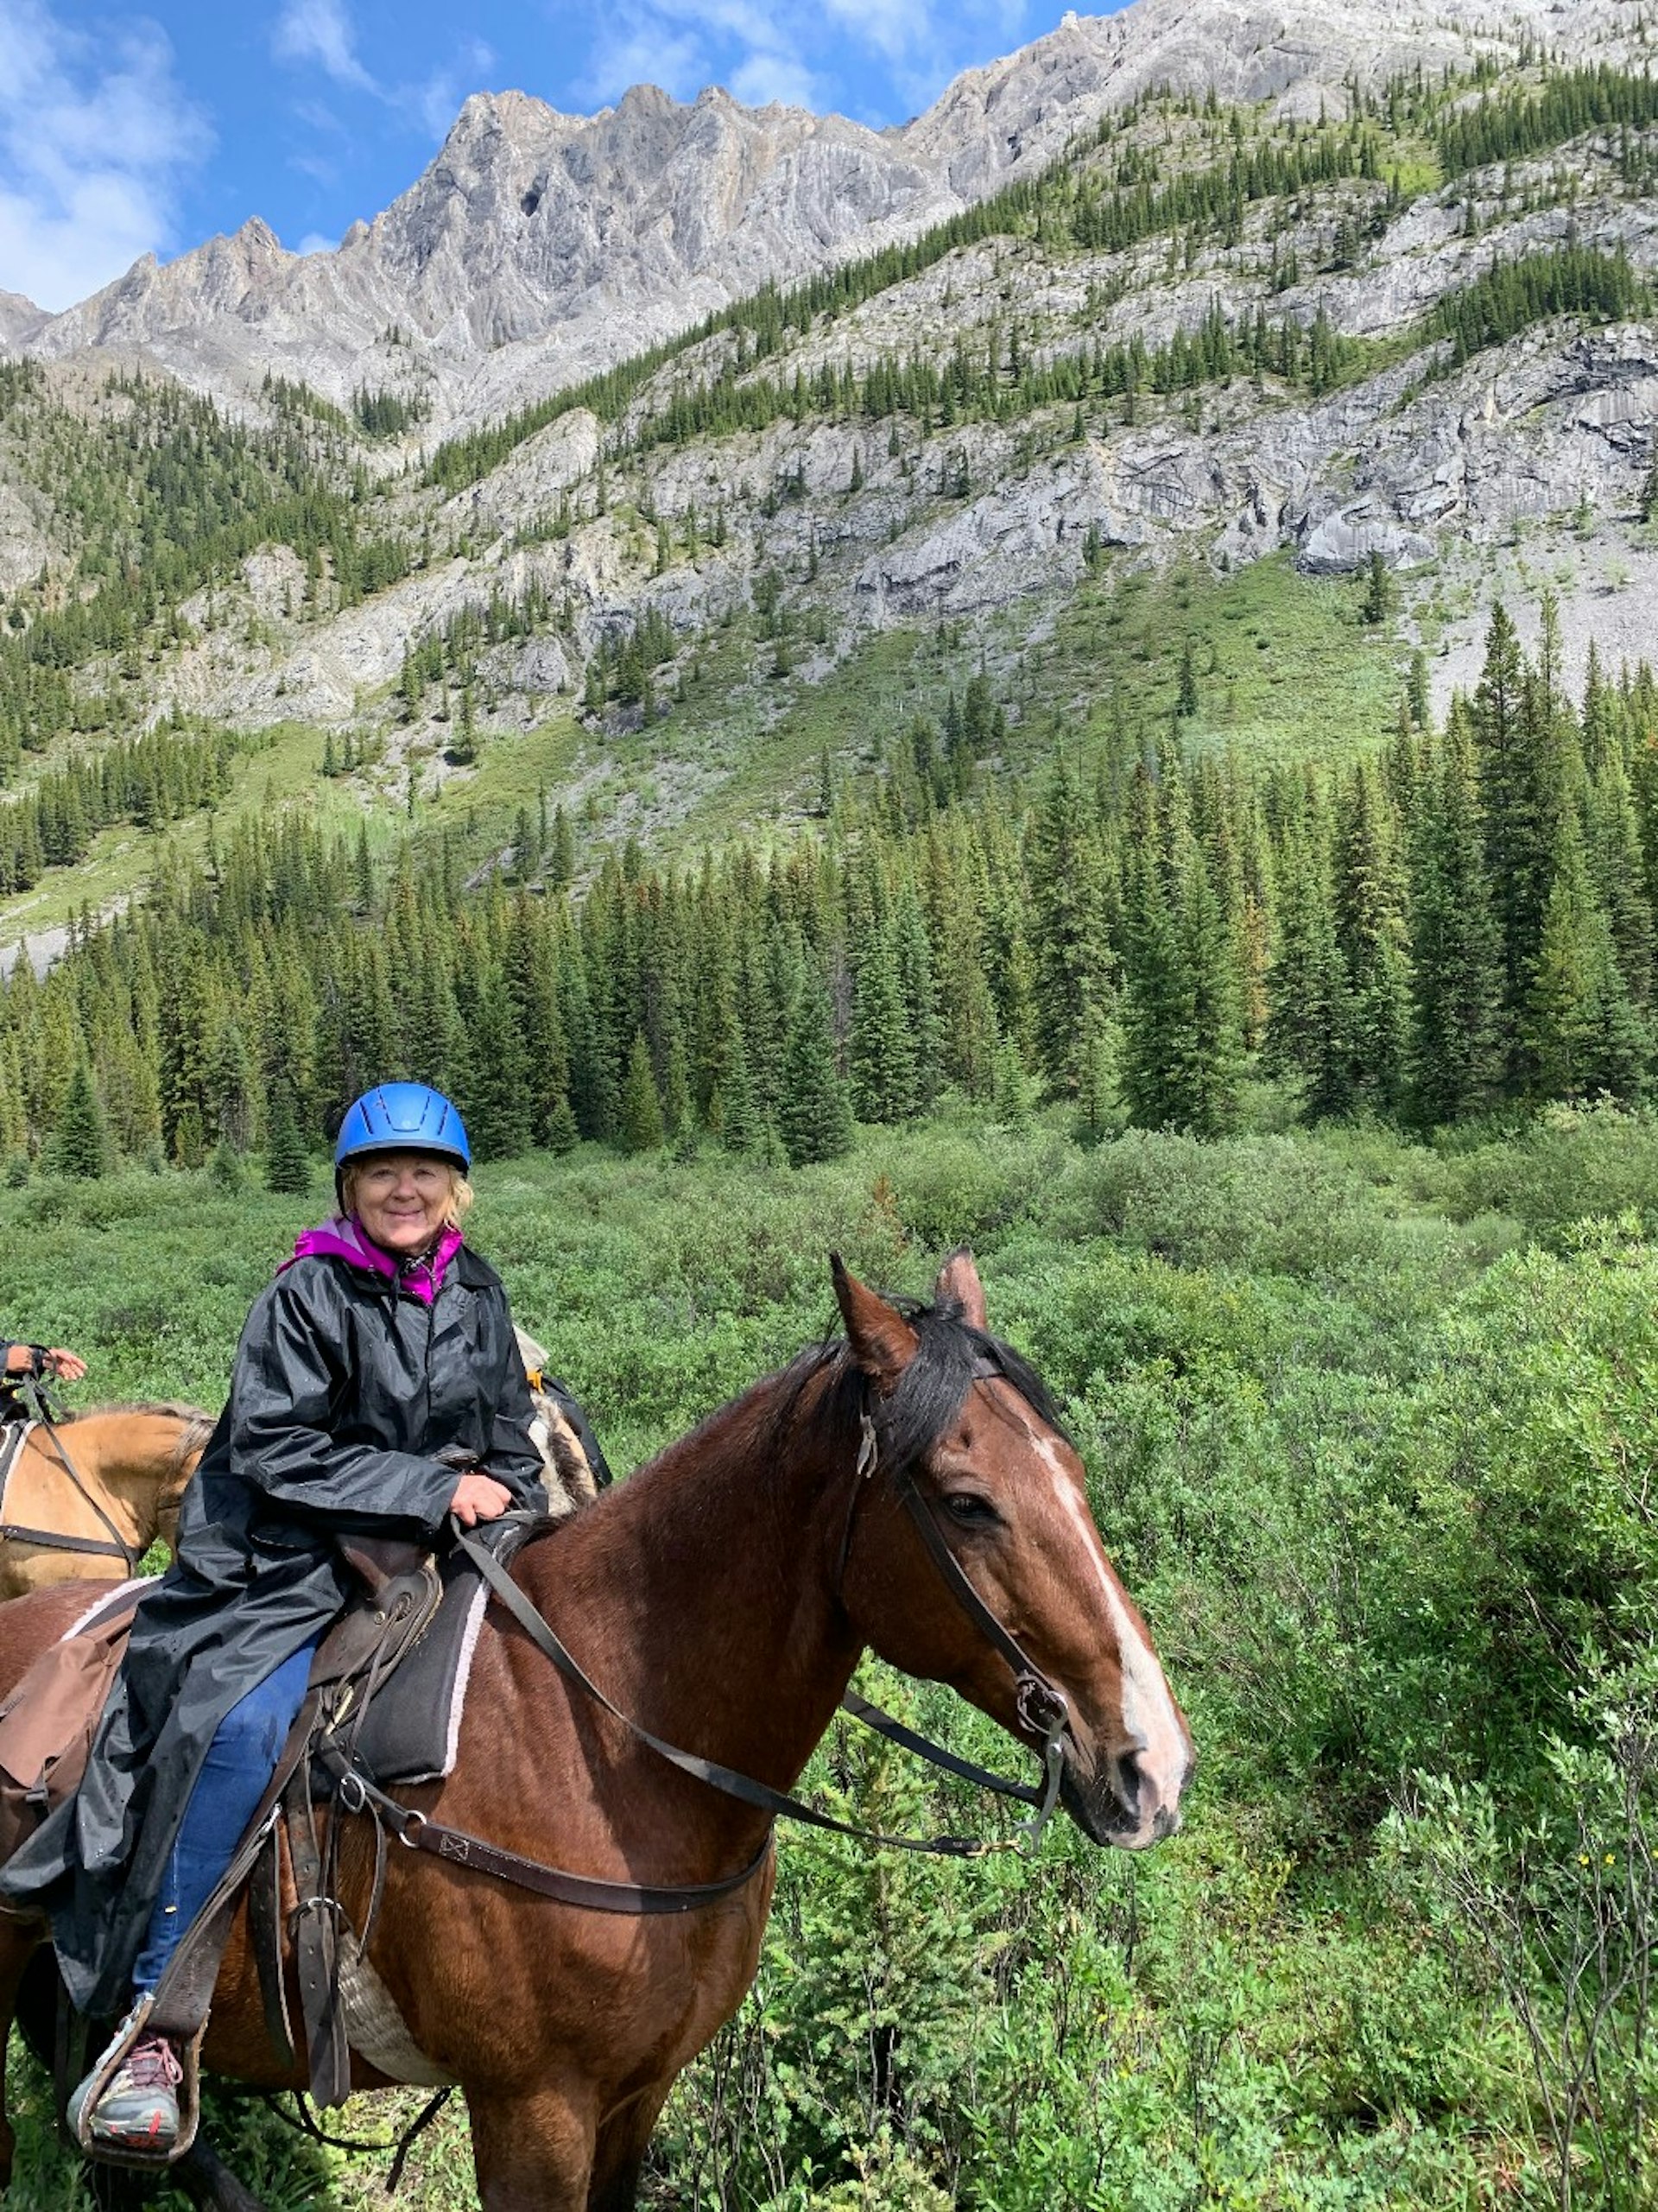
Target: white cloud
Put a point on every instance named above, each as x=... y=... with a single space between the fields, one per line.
x=643 y=50
x=314 y=242
x=923 y=45
x=321 y=31
x=683 y=44
x=95 y=135
x=435 y=103
x=783 y=77
x=796 y=50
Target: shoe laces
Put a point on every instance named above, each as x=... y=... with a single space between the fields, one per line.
x=152 y=2063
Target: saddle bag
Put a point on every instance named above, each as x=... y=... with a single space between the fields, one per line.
x=47 y=1723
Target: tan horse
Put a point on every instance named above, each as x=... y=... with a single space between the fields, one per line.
x=130 y=1466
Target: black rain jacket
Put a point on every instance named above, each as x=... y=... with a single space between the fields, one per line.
x=345 y=1390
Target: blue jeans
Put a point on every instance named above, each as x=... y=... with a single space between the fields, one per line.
x=234 y=1775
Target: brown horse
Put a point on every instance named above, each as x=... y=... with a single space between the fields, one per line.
x=130 y=1465
x=723 y=1596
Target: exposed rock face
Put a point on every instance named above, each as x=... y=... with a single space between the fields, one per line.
x=19 y=320
x=539 y=246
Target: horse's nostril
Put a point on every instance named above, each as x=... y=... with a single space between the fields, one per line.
x=1129 y=1779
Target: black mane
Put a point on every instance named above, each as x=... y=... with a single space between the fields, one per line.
x=927 y=1398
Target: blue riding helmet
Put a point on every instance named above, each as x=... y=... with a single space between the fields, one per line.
x=403 y=1117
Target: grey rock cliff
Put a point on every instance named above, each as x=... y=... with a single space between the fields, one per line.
x=540 y=246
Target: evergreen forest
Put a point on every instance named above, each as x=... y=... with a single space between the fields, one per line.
x=1455 y=924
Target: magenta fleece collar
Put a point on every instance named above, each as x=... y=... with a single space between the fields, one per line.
x=343 y=1238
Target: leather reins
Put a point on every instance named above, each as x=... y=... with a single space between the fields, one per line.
x=50 y=1539
x=1040 y=1705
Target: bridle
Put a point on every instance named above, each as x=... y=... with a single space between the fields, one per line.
x=1041 y=1706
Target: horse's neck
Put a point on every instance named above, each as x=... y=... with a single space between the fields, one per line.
x=126 y=1463
x=698 y=1594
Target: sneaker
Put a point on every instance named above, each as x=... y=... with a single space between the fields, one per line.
x=138 y=2111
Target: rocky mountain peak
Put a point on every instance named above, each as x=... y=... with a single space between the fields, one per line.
x=539 y=246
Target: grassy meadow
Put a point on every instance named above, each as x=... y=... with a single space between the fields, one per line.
x=1369 y=1430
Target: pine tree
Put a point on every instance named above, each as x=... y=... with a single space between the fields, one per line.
x=1203 y=1071
x=679 y=1113
x=80 y=1145
x=1072 y=958
x=1377 y=604
x=1097 y=1101
x=1516 y=750
x=814 y=1117
x=1617 y=871
x=286 y=1168
x=1307 y=1022
x=1186 y=701
x=497 y=1094
x=235 y=1090
x=1371 y=934
x=1583 y=1035
x=1181 y=1047
x=640 y=1129
x=881 y=1044
x=1416 y=690
x=561 y=866
x=1456 y=951
x=732 y=1113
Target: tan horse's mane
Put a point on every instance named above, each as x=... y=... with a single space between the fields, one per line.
x=198 y=1425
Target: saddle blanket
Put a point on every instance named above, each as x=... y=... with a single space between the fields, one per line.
x=412 y=1729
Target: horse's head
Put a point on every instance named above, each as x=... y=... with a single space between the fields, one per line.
x=966 y=1425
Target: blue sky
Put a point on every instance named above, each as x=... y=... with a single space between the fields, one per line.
x=126 y=130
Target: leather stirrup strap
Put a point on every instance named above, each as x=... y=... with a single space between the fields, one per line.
x=185 y=1991
x=316 y=1947
x=265 y=1935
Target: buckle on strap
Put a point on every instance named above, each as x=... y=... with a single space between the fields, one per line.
x=869 y=1449
x=1042 y=1707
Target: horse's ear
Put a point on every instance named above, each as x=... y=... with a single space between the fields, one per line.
x=958 y=1285
x=882 y=1342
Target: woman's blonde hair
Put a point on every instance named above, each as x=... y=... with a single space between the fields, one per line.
x=460 y=1191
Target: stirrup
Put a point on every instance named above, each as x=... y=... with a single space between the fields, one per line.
x=83 y=2103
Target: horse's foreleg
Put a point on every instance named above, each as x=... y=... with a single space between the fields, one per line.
x=209 y=2183
x=533 y=2153
x=19 y=1942
x=619 y=2155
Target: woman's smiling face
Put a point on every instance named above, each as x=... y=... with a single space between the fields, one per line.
x=402 y=1200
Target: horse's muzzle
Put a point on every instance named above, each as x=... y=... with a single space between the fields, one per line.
x=1120 y=1803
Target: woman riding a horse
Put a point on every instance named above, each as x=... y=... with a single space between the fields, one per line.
x=377 y=1391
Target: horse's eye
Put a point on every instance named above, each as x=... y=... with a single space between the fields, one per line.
x=971 y=1510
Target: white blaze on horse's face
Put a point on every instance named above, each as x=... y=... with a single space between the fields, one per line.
x=1127 y=1727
